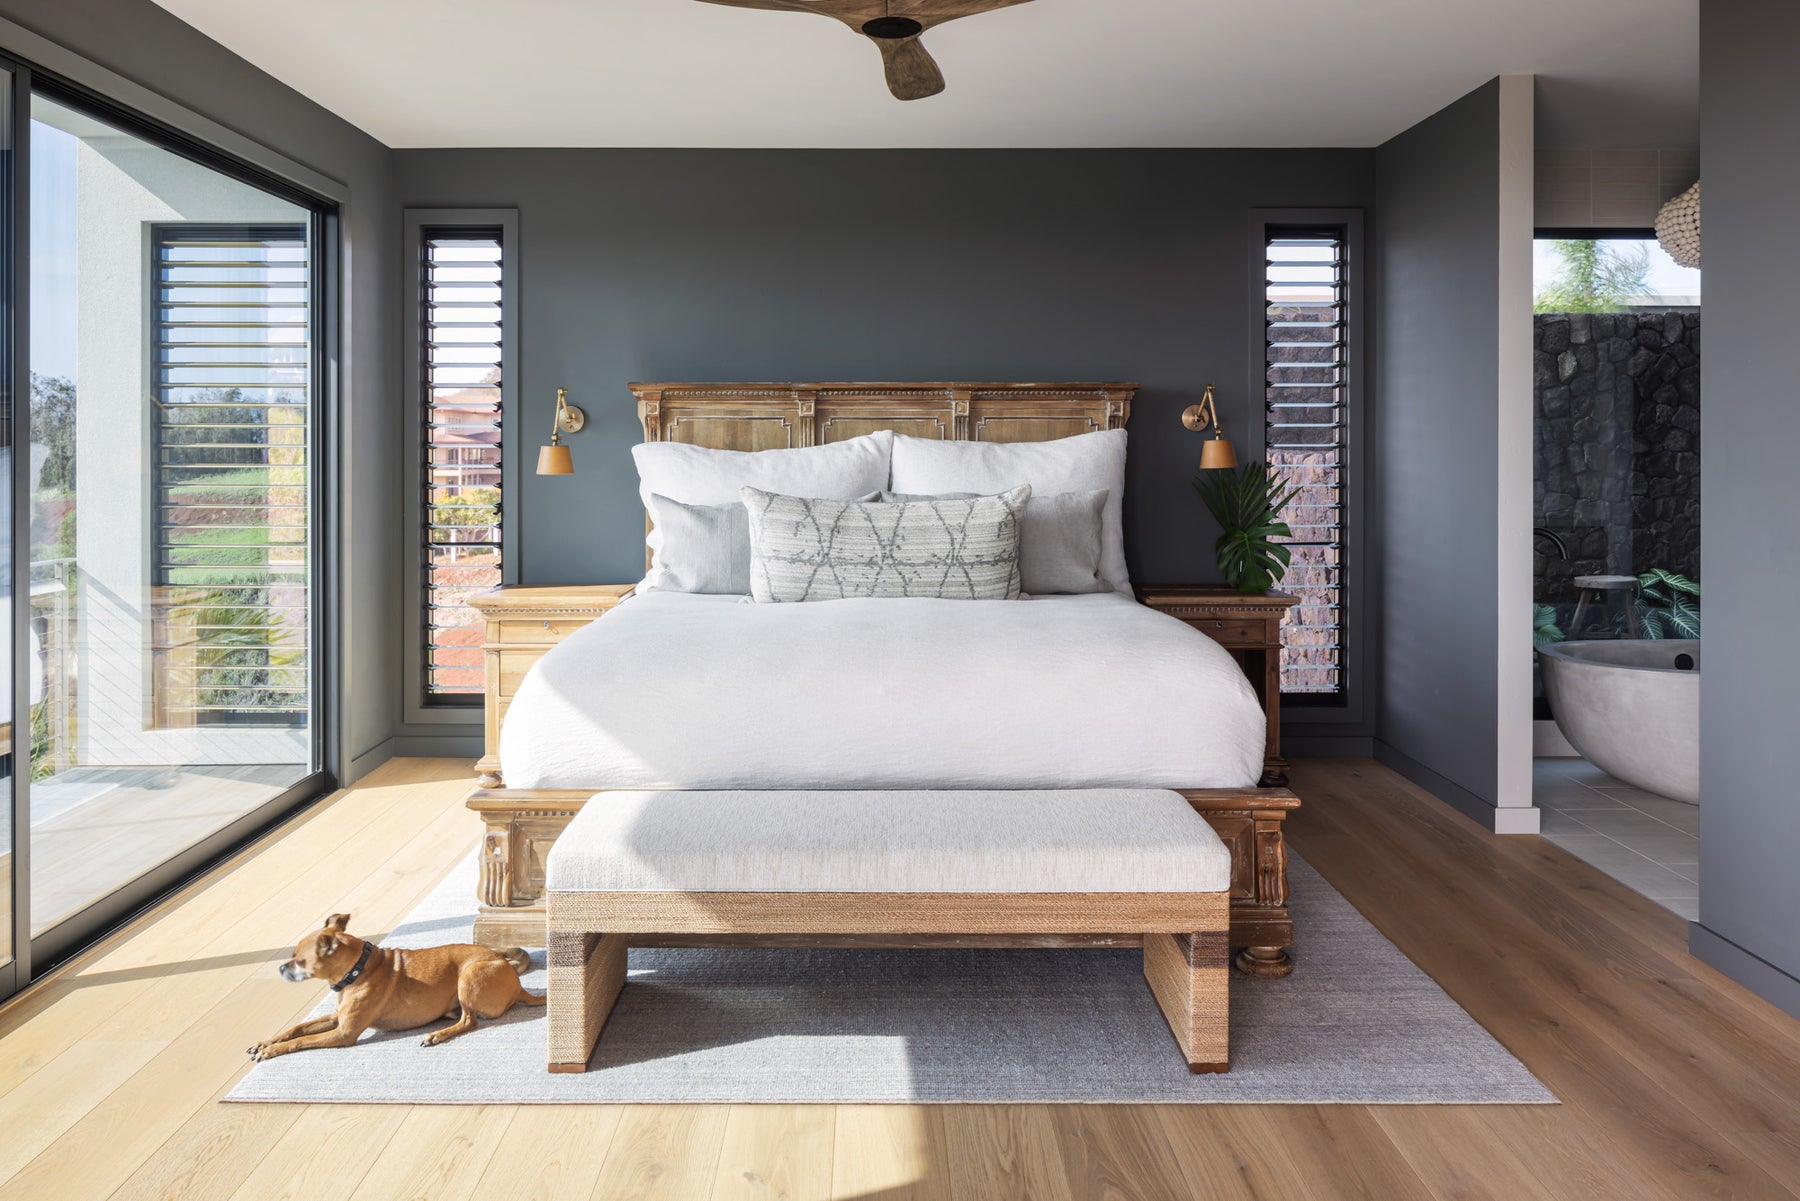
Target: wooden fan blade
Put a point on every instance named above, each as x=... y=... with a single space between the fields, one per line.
x=936 y=12
x=912 y=74
x=851 y=12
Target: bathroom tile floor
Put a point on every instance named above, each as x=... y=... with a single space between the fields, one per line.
x=1644 y=841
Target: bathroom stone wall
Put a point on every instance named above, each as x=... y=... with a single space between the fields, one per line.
x=1617 y=444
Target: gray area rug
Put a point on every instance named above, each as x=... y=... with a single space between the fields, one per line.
x=1356 y=1022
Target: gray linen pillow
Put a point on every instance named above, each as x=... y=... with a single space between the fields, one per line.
x=705 y=548
x=812 y=550
x=1059 y=540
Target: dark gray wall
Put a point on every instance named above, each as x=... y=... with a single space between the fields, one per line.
x=147 y=45
x=1437 y=364
x=707 y=264
x=1749 y=816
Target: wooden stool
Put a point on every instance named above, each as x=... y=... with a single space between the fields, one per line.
x=1600 y=589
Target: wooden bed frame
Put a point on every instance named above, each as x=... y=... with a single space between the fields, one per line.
x=521 y=824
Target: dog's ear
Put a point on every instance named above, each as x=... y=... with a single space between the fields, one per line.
x=337 y=921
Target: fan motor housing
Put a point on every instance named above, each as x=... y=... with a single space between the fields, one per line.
x=889 y=28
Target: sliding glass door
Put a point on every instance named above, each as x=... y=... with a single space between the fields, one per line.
x=15 y=924
x=166 y=597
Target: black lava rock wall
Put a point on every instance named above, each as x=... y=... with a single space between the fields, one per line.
x=1617 y=445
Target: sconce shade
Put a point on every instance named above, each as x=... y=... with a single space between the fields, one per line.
x=555 y=460
x=1216 y=452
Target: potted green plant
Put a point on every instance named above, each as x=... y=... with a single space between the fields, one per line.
x=1247 y=503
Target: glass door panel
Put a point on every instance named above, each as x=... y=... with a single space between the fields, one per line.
x=172 y=484
x=9 y=408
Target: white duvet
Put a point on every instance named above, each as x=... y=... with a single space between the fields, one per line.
x=680 y=691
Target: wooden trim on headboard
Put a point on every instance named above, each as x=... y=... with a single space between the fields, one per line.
x=771 y=416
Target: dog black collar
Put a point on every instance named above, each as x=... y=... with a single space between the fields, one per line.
x=351 y=976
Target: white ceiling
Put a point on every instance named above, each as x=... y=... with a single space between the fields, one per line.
x=1049 y=73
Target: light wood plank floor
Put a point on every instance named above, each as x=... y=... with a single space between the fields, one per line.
x=1676 y=1083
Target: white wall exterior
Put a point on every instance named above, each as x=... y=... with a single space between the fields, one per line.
x=124 y=186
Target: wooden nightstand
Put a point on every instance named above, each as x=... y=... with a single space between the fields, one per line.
x=524 y=621
x=1250 y=628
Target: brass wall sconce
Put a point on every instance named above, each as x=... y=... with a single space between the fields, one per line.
x=1216 y=451
x=554 y=459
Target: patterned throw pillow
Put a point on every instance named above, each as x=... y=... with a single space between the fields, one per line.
x=813 y=550
x=1059 y=540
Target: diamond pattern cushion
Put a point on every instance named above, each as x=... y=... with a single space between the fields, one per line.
x=813 y=550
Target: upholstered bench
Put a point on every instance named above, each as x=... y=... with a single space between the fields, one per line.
x=642 y=867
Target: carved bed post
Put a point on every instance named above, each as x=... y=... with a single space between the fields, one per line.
x=497 y=865
x=650 y=413
x=1269 y=962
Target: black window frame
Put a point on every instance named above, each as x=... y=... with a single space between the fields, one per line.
x=422 y=706
x=166 y=233
x=1347 y=712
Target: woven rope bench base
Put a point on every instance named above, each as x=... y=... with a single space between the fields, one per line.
x=1185 y=936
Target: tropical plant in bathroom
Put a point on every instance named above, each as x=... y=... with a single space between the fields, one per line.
x=1247 y=503
x=1544 y=629
x=1668 y=605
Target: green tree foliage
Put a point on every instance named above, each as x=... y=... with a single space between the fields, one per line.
x=53 y=428
x=1594 y=278
x=472 y=506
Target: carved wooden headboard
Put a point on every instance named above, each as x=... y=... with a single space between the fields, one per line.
x=773 y=416
x=778 y=416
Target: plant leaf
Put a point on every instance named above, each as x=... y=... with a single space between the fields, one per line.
x=1544 y=629
x=1676 y=582
x=1247 y=504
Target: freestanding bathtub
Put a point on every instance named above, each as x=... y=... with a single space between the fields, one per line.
x=1631 y=707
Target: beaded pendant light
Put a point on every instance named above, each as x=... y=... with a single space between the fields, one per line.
x=1678 y=227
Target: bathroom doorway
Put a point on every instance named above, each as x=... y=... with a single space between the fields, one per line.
x=1616 y=566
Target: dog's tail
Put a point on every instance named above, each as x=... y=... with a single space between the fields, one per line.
x=519 y=957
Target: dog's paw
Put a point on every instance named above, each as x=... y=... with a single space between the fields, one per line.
x=428 y=1041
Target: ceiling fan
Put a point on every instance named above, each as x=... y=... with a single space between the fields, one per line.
x=894 y=26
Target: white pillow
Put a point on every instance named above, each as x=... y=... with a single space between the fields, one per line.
x=696 y=475
x=1084 y=463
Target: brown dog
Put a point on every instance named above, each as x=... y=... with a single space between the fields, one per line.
x=397 y=989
